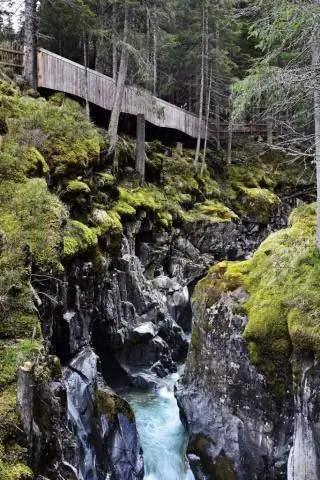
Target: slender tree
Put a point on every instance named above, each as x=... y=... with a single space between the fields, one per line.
x=120 y=85
x=30 y=40
x=200 y=121
x=287 y=76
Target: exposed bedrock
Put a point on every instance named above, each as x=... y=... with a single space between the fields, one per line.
x=238 y=428
x=132 y=306
x=304 y=458
x=250 y=396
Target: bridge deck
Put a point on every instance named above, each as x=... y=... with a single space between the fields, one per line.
x=60 y=74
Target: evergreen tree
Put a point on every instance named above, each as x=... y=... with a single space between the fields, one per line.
x=284 y=83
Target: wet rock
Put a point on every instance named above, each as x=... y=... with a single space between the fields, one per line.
x=104 y=424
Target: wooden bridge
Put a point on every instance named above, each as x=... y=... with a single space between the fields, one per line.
x=57 y=73
x=60 y=74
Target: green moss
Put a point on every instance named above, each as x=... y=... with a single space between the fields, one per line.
x=251 y=184
x=76 y=187
x=16 y=471
x=20 y=326
x=257 y=203
x=196 y=338
x=106 y=178
x=59 y=131
x=122 y=208
x=31 y=233
x=57 y=98
x=106 y=222
x=78 y=239
x=11 y=467
x=140 y=197
x=12 y=355
x=165 y=219
x=35 y=164
x=210 y=210
x=108 y=403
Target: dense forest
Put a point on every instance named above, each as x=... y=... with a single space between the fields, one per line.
x=229 y=60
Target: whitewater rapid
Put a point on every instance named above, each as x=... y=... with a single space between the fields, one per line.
x=162 y=435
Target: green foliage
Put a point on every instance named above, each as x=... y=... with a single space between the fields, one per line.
x=31 y=226
x=278 y=82
x=76 y=187
x=210 y=210
x=17 y=471
x=78 y=238
x=61 y=134
x=12 y=355
x=19 y=326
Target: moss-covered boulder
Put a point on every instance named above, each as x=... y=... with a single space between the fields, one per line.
x=283 y=308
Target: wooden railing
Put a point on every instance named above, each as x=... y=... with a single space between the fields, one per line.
x=11 y=57
x=239 y=130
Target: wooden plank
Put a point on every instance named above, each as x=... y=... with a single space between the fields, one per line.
x=14 y=65
x=8 y=50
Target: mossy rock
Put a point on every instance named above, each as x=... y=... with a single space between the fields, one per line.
x=106 y=222
x=110 y=404
x=13 y=470
x=34 y=162
x=283 y=309
x=78 y=239
x=76 y=187
x=211 y=210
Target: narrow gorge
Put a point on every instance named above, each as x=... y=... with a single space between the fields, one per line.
x=108 y=288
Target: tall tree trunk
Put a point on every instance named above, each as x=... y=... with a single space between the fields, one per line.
x=269 y=131
x=114 y=44
x=196 y=158
x=206 y=52
x=85 y=61
x=122 y=74
x=316 y=71
x=30 y=41
x=155 y=54
x=217 y=99
x=207 y=125
x=148 y=33
x=229 y=154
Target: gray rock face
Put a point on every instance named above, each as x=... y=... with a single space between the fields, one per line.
x=102 y=423
x=237 y=427
x=304 y=459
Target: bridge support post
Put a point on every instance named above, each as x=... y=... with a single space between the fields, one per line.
x=30 y=43
x=140 y=146
x=180 y=147
x=269 y=131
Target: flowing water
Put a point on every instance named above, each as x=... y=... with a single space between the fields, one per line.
x=162 y=435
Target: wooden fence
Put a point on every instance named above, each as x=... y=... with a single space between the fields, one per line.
x=11 y=57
